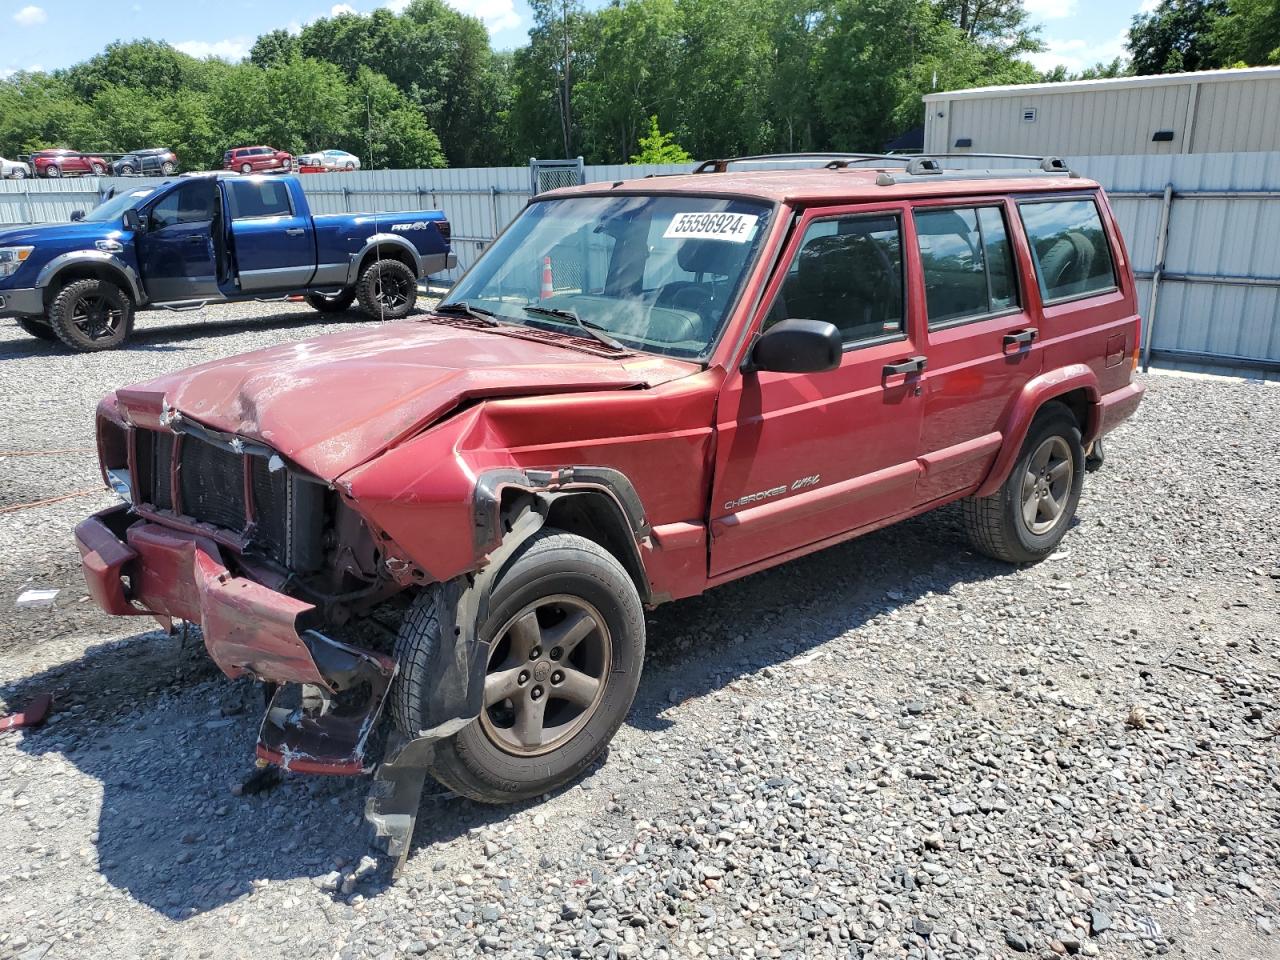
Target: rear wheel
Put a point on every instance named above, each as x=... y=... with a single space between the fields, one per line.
x=91 y=315
x=20 y=174
x=387 y=290
x=1025 y=520
x=53 y=171
x=566 y=629
x=331 y=302
x=37 y=328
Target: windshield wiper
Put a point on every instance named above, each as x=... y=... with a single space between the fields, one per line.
x=592 y=329
x=462 y=308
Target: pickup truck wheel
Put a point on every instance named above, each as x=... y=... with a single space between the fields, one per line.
x=388 y=290
x=91 y=315
x=1025 y=520
x=331 y=302
x=37 y=328
x=566 y=629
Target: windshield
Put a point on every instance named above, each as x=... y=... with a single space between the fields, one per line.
x=657 y=274
x=116 y=206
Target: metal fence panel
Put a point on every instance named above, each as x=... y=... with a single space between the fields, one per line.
x=1219 y=292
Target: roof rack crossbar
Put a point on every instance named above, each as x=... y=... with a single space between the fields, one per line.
x=721 y=165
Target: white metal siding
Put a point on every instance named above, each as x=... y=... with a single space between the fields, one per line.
x=1228 y=115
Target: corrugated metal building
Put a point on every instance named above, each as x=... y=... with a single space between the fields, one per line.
x=1213 y=111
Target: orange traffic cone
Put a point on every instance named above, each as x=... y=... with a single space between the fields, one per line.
x=547 y=289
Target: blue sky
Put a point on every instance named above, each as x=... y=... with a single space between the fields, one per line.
x=46 y=34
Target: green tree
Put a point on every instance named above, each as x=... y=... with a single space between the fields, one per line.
x=659 y=147
x=1248 y=33
x=1174 y=37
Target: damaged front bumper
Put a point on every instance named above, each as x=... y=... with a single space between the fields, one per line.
x=329 y=695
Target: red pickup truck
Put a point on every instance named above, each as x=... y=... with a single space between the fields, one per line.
x=641 y=391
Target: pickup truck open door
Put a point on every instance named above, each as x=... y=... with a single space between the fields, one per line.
x=178 y=248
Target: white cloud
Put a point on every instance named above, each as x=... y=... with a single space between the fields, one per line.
x=1076 y=54
x=7 y=72
x=1050 y=9
x=497 y=15
x=237 y=48
x=30 y=16
x=342 y=9
x=397 y=6
x=1148 y=6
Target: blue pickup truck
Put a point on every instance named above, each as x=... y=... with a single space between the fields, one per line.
x=211 y=239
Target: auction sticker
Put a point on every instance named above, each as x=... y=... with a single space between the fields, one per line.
x=735 y=227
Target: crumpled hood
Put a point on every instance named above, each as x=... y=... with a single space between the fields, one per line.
x=332 y=403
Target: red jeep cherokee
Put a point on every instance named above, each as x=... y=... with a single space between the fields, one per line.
x=640 y=391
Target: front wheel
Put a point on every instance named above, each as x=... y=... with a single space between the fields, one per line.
x=246 y=168
x=127 y=170
x=168 y=168
x=91 y=315
x=566 y=635
x=97 y=169
x=331 y=302
x=388 y=290
x=1025 y=520
x=20 y=174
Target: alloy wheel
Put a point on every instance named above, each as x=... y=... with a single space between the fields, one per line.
x=1046 y=485
x=546 y=675
x=391 y=292
x=97 y=317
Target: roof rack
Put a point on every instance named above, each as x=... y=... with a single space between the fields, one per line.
x=915 y=165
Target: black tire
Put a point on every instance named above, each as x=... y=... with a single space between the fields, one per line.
x=552 y=566
x=53 y=171
x=168 y=168
x=246 y=168
x=19 y=174
x=387 y=290
x=331 y=303
x=97 y=169
x=127 y=170
x=286 y=165
x=998 y=525
x=91 y=315
x=38 y=329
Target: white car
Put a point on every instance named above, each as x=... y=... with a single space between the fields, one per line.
x=330 y=160
x=15 y=169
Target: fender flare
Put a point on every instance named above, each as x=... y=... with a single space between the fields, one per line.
x=382 y=240
x=127 y=276
x=1036 y=393
x=542 y=489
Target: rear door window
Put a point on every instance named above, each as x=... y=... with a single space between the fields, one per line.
x=1070 y=249
x=848 y=272
x=967 y=263
x=249 y=199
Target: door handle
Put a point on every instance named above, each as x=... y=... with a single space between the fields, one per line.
x=197 y=238
x=1020 y=337
x=909 y=365
x=295 y=231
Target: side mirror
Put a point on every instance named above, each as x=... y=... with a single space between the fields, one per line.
x=133 y=220
x=798 y=346
x=77 y=216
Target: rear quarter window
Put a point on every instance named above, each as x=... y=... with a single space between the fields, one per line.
x=1069 y=247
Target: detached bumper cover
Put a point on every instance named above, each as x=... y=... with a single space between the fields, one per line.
x=248 y=628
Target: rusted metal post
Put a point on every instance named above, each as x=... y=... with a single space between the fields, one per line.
x=1162 y=241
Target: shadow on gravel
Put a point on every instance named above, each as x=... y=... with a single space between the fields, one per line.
x=152 y=337
x=167 y=735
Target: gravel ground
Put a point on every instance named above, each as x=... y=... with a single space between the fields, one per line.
x=894 y=748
